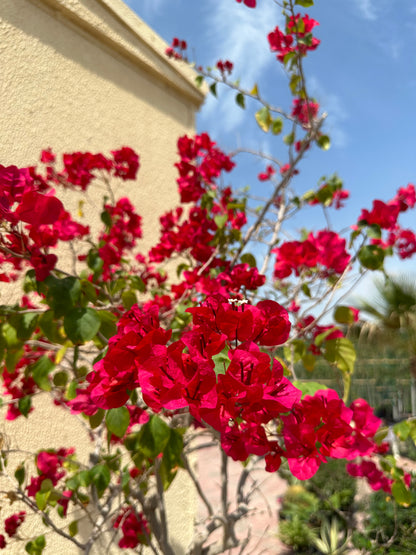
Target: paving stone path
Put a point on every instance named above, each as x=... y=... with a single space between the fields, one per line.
x=263 y=522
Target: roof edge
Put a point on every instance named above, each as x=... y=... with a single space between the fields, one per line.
x=130 y=36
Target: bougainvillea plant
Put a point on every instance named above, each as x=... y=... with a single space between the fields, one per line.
x=150 y=362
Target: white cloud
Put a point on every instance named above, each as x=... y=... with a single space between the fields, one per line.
x=239 y=35
x=367 y=9
x=332 y=104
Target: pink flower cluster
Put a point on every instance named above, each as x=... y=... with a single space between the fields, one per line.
x=322 y=426
x=201 y=162
x=305 y=111
x=214 y=215
x=50 y=467
x=240 y=394
x=11 y=525
x=329 y=196
x=325 y=249
x=120 y=236
x=297 y=39
x=248 y=3
x=237 y=397
x=33 y=219
x=385 y=216
x=224 y=66
x=374 y=476
x=80 y=167
x=176 y=49
x=134 y=528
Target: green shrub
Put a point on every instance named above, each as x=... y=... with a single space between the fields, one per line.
x=308 y=505
x=297 y=534
x=335 y=485
x=388 y=527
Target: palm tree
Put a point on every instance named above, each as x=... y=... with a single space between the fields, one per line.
x=393 y=308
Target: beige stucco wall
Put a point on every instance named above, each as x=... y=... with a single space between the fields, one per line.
x=90 y=75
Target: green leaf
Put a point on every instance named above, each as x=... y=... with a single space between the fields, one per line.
x=12 y=358
x=63 y=294
x=117 y=421
x=106 y=218
x=296 y=350
x=304 y=3
x=24 y=405
x=308 y=388
x=306 y=290
x=96 y=419
x=20 y=474
x=181 y=268
x=412 y=425
x=138 y=284
x=240 y=100
x=344 y=315
x=341 y=352
x=2 y=346
x=73 y=483
x=277 y=126
x=309 y=361
x=88 y=291
x=117 y=285
x=263 y=118
x=125 y=480
x=294 y=82
x=153 y=437
x=29 y=283
x=60 y=379
x=40 y=372
x=42 y=499
x=46 y=485
x=40 y=542
x=71 y=392
x=94 y=261
x=248 y=258
x=221 y=361
x=289 y=139
x=128 y=299
x=213 y=88
x=402 y=430
x=100 y=477
x=199 y=79
x=82 y=324
x=84 y=478
x=35 y=547
x=221 y=220
x=371 y=257
x=373 y=231
x=319 y=339
x=289 y=58
x=324 y=142
x=400 y=493
x=108 y=325
x=300 y=28
x=10 y=336
x=25 y=324
x=73 y=528
x=49 y=326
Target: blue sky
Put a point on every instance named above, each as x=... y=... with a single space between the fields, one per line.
x=363 y=74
